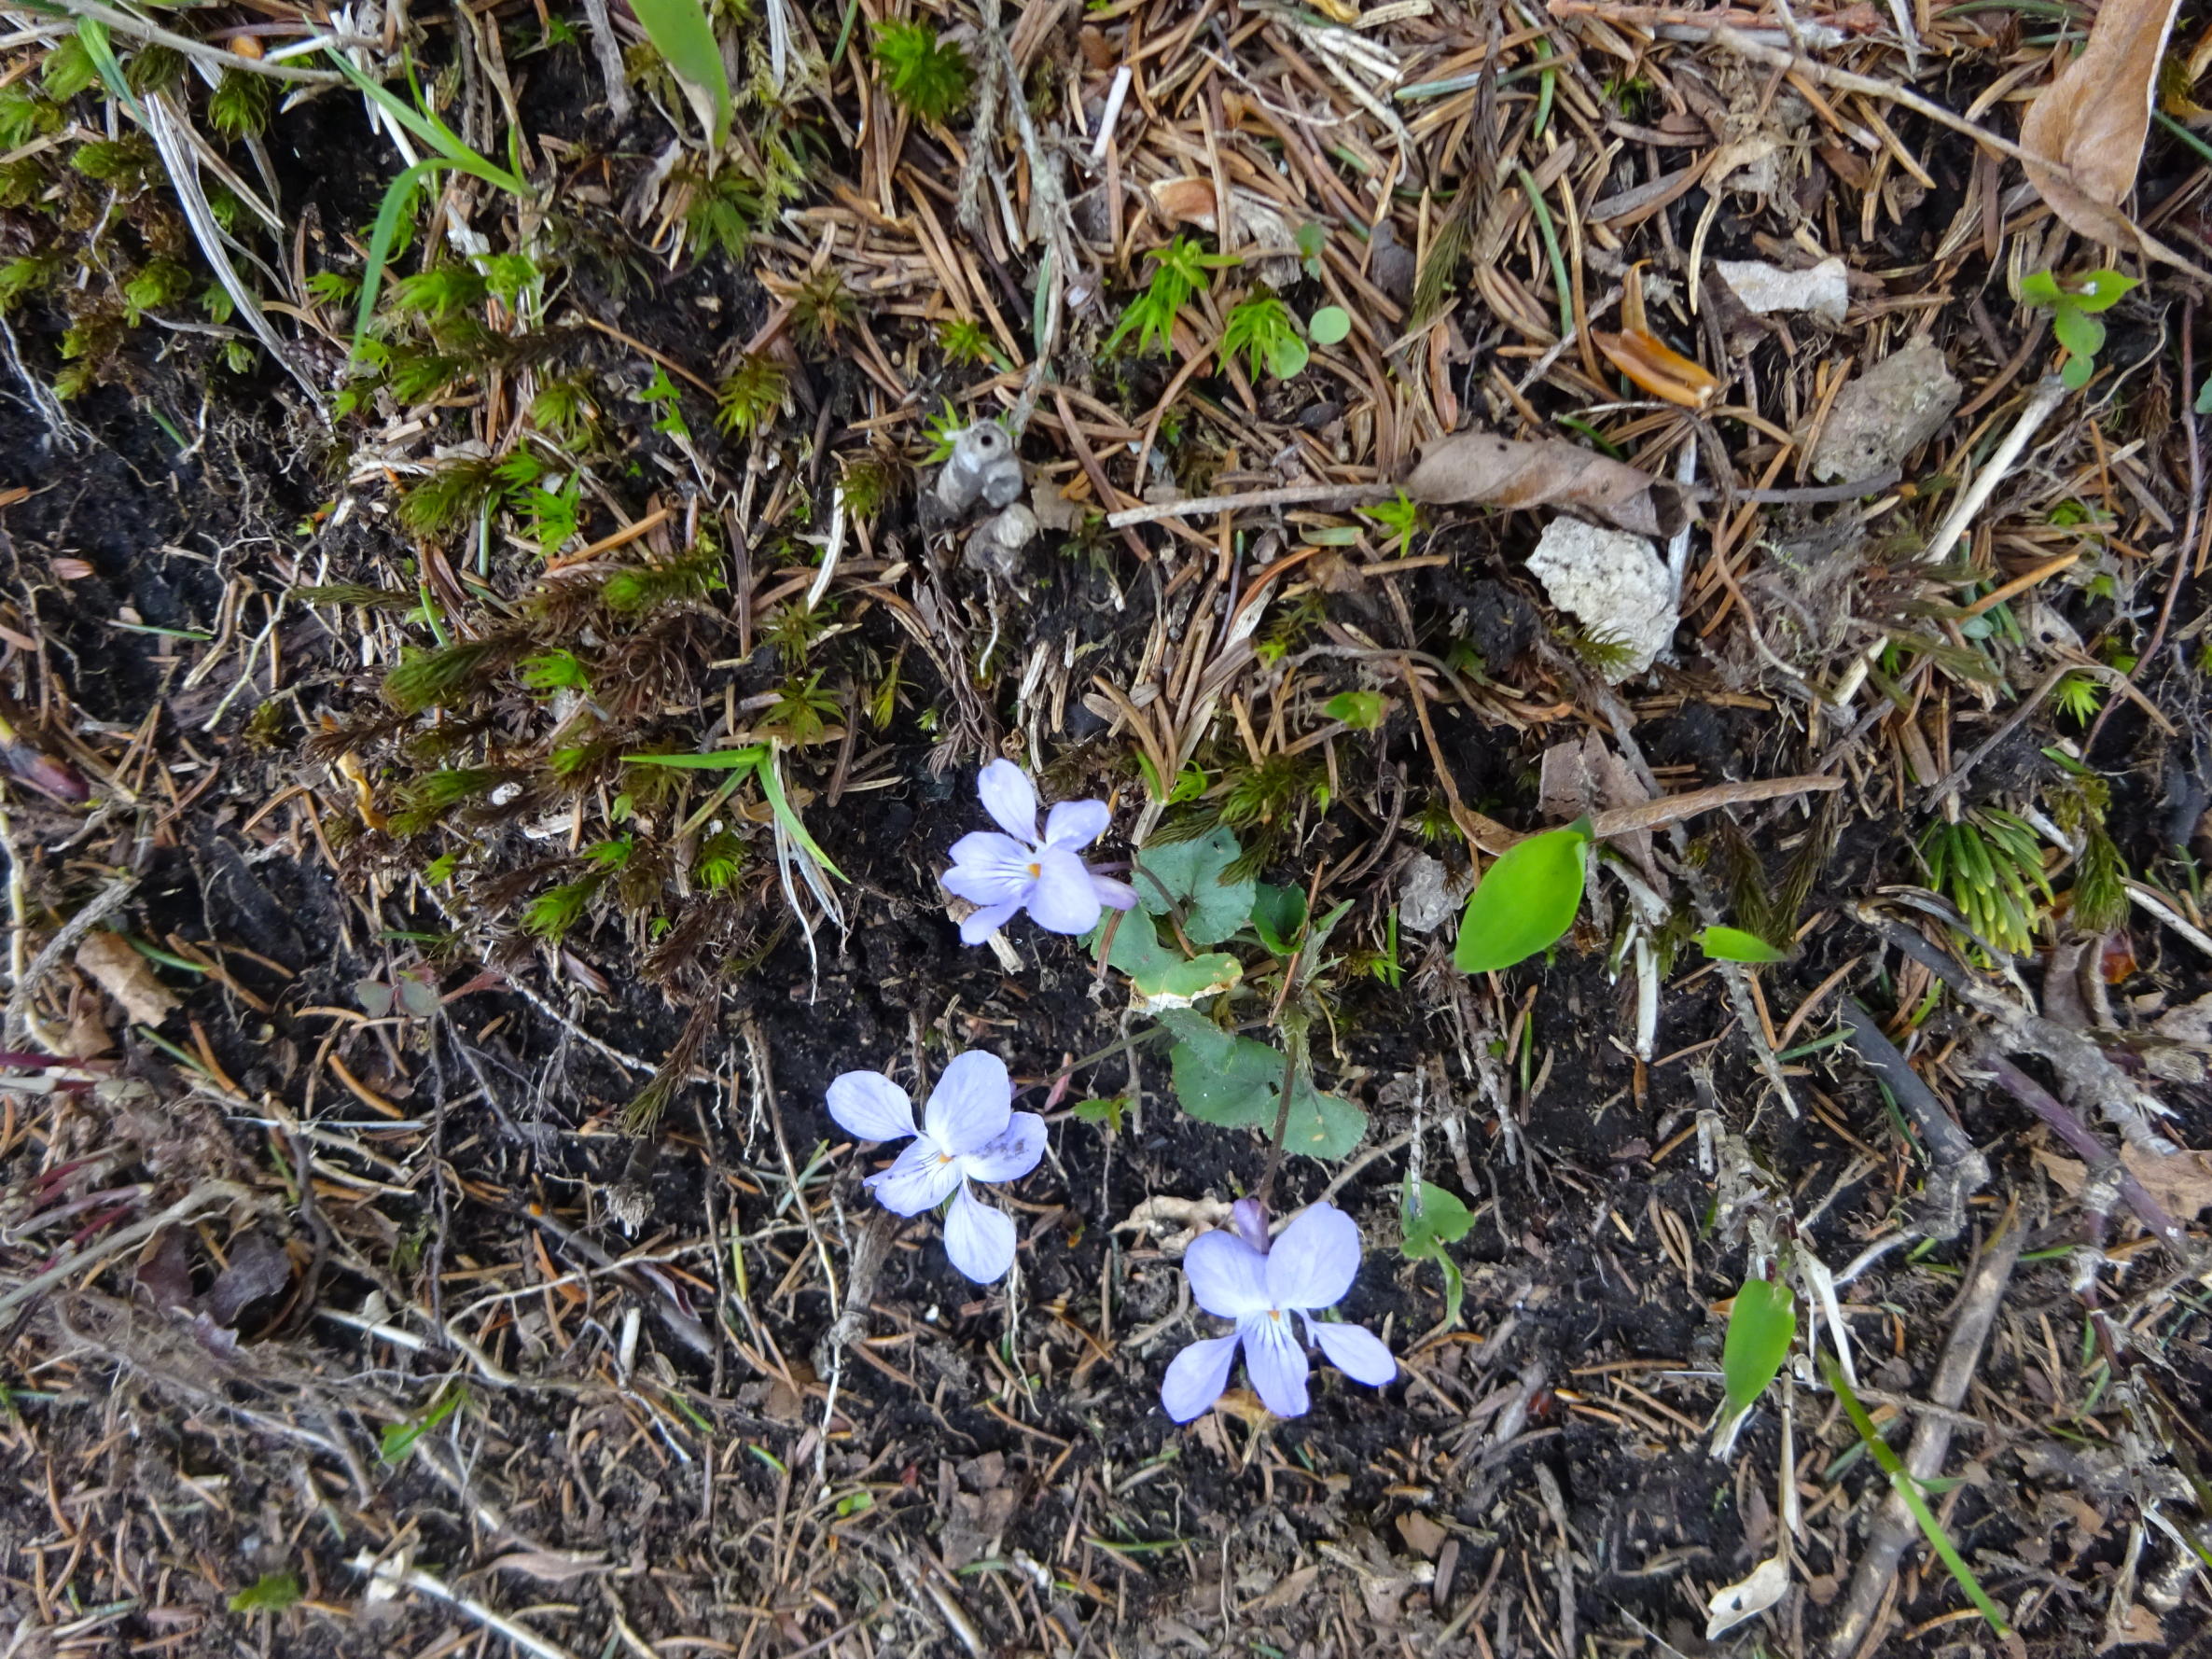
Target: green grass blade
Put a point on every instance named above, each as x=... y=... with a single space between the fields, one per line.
x=1906 y=1488
x=712 y=761
x=432 y=132
x=680 y=33
x=771 y=786
x=93 y=34
x=397 y=197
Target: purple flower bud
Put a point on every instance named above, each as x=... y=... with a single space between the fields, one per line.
x=1003 y=875
x=1248 y=1216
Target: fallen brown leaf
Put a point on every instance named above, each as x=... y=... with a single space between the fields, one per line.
x=1482 y=467
x=2091 y=121
x=1657 y=368
x=126 y=976
x=2181 y=1181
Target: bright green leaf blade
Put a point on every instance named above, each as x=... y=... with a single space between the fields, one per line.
x=1759 y=1334
x=1329 y=324
x=1287 y=357
x=771 y=786
x=712 y=761
x=2204 y=402
x=1188 y=873
x=430 y=130
x=93 y=34
x=680 y=32
x=397 y=196
x=1733 y=944
x=2078 y=332
x=1360 y=710
x=1526 y=900
x=2041 y=287
x=1277 y=915
x=2101 y=290
x=1902 y=1482
x=271 y=1593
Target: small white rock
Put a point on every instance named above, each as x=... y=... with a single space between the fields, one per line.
x=1824 y=290
x=1616 y=583
x=1427 y=896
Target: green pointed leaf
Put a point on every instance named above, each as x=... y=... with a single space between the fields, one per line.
x=1108 y=1109
x=1759 y=1333
x=2101 y=290
x=1733 y=944
x=680 y=33
x=271 y=1593
x=1278 y=914
x=1188 y=873
x=1526 y=900
x=712 y=761
x=2041 y=287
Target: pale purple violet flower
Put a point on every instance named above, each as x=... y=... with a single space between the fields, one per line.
x=1004 y=873
x=1310 y=1267
x=970 y=1132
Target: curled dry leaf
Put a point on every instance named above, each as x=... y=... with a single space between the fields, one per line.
x=2092 y=121
x=126 y=976
x=1493 y=471
x=1731 y=1606
x=1657 y=368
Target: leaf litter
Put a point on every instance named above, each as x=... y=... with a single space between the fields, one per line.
x=448 y=986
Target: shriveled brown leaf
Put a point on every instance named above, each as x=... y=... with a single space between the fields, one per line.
x=2181 y=1181
x=2091 y=121
x=1657 y=368
x=1482 y=467
x=126 y=976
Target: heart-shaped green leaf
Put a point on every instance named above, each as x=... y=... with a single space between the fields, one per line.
x=1188 y=873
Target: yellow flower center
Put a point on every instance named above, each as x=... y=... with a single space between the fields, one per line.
x=1036 y=871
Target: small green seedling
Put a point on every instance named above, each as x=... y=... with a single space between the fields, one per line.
x=1525 y=901
x=2073 y=302
x=399 y=1439
x=1433 y=1219
x=1362 y=711
x=1180 y=270
x=1261 y=328
x=1733 y=944
x=927 y=75
x=1400 y=518
x=1330 y=326
x=271 y=1593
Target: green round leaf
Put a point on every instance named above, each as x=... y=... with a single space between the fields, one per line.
x=1732 y=944
x=1433 y=1219
x=1360 y=710
x=1329 y=324
x=1190 y=874
x=1287 y=356
x=1526 y=900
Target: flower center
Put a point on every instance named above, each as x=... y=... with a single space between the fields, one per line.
x=1035 y=869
